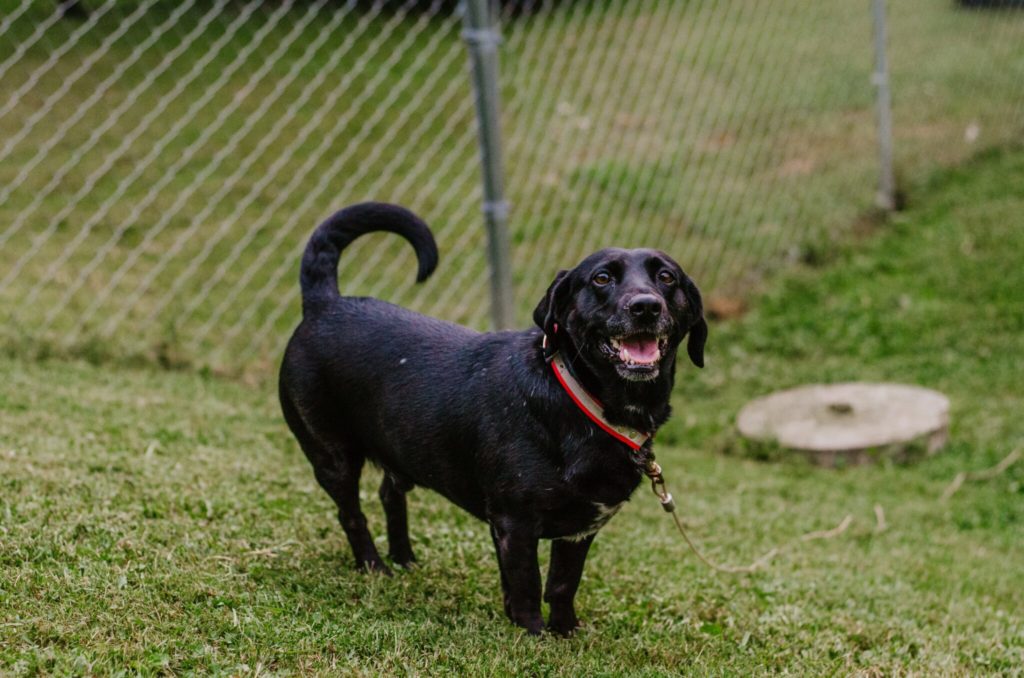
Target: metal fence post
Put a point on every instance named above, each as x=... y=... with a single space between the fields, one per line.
x=482 y=37
x=886 y=197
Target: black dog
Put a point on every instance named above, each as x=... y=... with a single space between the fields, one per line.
x=484 y=419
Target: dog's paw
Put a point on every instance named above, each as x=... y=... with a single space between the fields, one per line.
x=533 y=624
x=405 y=561
x=375 y=567
x=563 y=626
x=533 y=629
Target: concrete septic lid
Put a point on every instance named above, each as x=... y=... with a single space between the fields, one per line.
x=849 y=423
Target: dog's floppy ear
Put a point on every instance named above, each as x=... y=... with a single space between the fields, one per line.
x=547 y=310
x=695 y=344
x=698 y=328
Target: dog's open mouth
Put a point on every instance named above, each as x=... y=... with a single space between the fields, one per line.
x=638 y=355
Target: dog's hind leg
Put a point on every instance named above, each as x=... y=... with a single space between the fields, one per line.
x=337 y=467
x=392 y=496
x=339 y=476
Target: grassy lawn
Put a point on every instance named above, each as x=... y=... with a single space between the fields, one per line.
x=165 y=521
x=161 y=169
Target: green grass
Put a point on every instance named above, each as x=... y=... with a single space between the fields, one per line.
x=737 y=137
x=166 y=522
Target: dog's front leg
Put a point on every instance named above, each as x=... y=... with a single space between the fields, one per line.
x=501 y=570
x=516 y=544
x=564 y=572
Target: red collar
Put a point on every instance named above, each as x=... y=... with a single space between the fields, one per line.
x=591 y=407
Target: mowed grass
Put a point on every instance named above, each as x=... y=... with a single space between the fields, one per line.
x=162 y=164
x=166 y=522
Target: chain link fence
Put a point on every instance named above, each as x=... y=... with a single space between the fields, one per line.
x=161 y=164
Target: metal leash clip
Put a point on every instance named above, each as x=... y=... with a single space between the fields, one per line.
x=653 y=471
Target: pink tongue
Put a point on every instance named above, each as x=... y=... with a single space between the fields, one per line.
x=642 y=350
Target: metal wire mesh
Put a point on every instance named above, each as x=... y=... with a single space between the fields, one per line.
x=161 y=164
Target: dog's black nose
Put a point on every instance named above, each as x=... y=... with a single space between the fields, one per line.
x=645 y=306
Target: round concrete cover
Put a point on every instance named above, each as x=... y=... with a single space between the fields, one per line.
x=847 y=418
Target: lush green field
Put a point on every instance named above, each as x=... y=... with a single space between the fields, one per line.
x=161 y=521
x=162 y=164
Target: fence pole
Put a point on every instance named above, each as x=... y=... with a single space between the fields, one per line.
x=886 y=197
x=481 y=33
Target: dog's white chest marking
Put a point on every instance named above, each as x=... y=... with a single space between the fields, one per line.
x=604 y=514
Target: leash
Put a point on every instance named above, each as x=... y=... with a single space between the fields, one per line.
x=636 y=440
x=653 y=471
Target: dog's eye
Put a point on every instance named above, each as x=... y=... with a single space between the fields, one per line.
x=667 y=278
x=602 y=278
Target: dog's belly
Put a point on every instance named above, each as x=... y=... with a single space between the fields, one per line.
x=456 y=488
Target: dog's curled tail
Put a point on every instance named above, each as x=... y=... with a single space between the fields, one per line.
x=319 y=273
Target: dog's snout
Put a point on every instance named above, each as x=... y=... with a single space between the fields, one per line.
x=645 y=306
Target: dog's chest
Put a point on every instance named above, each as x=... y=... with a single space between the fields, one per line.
x=592 y=493
x=601 y=514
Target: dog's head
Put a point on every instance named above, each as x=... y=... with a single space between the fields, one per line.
x=624 y=311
